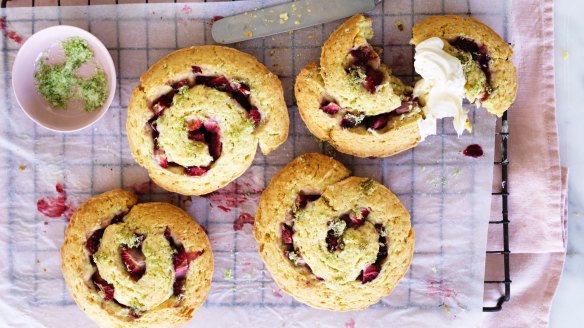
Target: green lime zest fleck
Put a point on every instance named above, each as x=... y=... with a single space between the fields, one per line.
x=93 y=90
x=77 y=51
x=55 y=83
x=58 y=84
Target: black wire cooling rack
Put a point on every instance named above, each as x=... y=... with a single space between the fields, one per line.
x=503 y=163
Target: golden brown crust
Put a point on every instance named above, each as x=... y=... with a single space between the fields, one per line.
x=503 y=74
x=353 y=33
x=316 y=173
x=266 y=94
x=400 y=134
x=150 y=220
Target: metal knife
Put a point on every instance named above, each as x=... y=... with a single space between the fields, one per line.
x=285 y=17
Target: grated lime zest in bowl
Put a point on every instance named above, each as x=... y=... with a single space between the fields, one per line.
x=60 y=83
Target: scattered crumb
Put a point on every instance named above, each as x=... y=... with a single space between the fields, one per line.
x=308 y=10
x=283 y=18
x=44 y=269
x=227 y=274
x=318 y=43
x=565 y=54
x=22 y=167
x=310 y=36
x=399 y=24
x=423 y=168
x=456 y=172
x=272 y=52
x=249 y=34
x=296 y=22
x=290 y=32
x=299 y=15
x=46 y=223
x=434 y=269
x=446 y=308
x=293 y=8
x=38 y=261
x=577 y=214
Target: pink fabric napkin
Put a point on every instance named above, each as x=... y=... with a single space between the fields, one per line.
x=537 y=183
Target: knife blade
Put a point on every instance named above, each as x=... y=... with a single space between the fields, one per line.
x=285 y=17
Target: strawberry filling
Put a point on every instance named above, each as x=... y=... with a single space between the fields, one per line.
x=181 y=260
x=134 y=260
x=374 y=122
x=371 y=272
x=480 y=55
x=287 y=234
x=302 y=199
x=365 y=56
x=366 y=60
x=329 y=107
x=106 y=288
x=207 y=132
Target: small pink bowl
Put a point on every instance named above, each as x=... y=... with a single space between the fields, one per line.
x=30 y=100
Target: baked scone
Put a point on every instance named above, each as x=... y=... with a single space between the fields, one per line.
x=331 y=240
x=491 y=78
x=145 y=265
x=352 y=100
x=196 y=118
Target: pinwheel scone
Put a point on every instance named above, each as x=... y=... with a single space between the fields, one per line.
x=355 y=134
x=145 y=265
x=332 y=241
x=196 y=118
x=491 y=78
x=352 y=100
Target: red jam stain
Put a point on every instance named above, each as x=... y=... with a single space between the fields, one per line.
x=474 y=151
x=216 y=18
x=243 y=191
x=140 y=188
x=8 y=33
x=350 y=323
x=242 y=219
x=438 y=289
x=277 y=293
x=186 y=9
x=54 y=206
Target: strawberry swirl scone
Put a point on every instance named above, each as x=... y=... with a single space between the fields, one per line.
x=490 y=76
x=139 y=265
x=331 y=240
x=353 y=101
x=196 y=118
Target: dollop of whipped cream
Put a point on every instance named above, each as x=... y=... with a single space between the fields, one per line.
x=441 y=88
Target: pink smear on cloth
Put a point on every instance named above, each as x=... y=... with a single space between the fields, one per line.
x=139 y=188
x=186 y=9
x=243 y=191
x=8 y=33
x=242 y=219
x=56 y=206
x=277 y=293
x=350 y=323
x=438 y=289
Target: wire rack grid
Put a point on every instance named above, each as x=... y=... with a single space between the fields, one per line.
x=260 y=51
